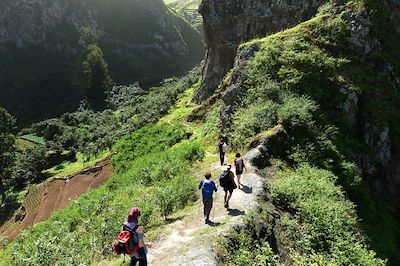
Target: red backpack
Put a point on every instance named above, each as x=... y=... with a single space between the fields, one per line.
x=127 y=241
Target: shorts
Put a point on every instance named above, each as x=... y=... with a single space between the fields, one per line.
x=239 y=172
x=228 y=189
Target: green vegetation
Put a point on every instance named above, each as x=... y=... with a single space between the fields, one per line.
x=95 y=68
x=63 y=146
x=319 y=225
x=68 y=168
x=157 y=180
x=34 y=139
x=7 y=140
x=249 y=245
x=188 y=9
x=42 y=77
x=296 y=78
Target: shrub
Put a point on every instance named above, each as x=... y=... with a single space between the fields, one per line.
x=320 y=221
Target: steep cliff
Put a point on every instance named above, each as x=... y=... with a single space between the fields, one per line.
x=229 y=23
x=41 y=72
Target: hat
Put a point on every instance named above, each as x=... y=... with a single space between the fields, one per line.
x=133 y=215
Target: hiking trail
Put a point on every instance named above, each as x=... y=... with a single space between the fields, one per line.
x=190 y=241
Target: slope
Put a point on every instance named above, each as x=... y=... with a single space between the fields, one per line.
x=332 y=86
x=41 y=71
x=189 y=11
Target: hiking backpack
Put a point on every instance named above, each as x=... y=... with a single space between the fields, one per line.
x=224 y=179
x=127 y=241
x=239 y=165
x=207 y=189
x=224 y=147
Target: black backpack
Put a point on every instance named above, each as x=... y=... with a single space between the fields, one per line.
x=224 y=179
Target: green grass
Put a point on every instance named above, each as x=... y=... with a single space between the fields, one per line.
x=70 y=168
x=34 y=139
x=320 y=222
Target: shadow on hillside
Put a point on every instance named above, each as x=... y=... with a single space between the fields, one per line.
x=212 y=224
x=246 y=189
x=8 y=210
x=172 y=220
x=235 y=212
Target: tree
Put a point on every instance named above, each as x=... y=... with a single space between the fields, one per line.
x=95 y=69
x=87 y=38
x=7 y=148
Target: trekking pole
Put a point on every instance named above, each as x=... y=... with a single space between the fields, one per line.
x=199 y=207
x=213 y=210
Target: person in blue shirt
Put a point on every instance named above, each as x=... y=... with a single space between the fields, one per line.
x=207 y=187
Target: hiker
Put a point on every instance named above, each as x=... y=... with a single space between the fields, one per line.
x=227 y=181
x=132 y=223
x=222 y=147
x=207 y=187
x=239 y=166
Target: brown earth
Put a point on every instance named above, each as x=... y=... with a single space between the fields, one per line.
x=42 y=200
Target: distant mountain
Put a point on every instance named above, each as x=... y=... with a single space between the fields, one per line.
x=189 y=10
x=41 y=60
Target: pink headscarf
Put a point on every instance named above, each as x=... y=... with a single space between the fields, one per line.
x=133 y=215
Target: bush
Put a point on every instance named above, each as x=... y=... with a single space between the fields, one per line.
x=320 y=221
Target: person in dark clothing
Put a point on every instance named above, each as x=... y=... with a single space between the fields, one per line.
x=207 y=187
x=229 y=185
x=222 y=147
x=132 y=222
x=239 y=166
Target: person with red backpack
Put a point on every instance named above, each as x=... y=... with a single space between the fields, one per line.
x=130 y=240
x=207 y=187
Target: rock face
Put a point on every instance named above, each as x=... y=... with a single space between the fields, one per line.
x=142 y=40
x=231 y=22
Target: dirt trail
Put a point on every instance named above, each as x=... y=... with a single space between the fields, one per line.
x=43 y=200
x=190 y=240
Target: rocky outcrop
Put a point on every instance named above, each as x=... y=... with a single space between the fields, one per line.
x=267 y=145
x=231 y=22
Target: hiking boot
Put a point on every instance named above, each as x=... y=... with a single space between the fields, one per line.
x=226 y=205
x=207 y=221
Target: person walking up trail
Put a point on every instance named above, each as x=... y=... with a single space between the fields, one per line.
x=207 y=187
x=239 y=166
x=227 y=181
x=223 y=148
x=132 y=224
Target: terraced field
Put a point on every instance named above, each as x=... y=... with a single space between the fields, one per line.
x=43 y=199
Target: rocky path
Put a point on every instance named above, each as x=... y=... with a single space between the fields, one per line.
x=190 y=241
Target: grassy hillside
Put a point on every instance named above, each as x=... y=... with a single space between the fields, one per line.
x=295 y=79
x=189 y=10
x=154 y=167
